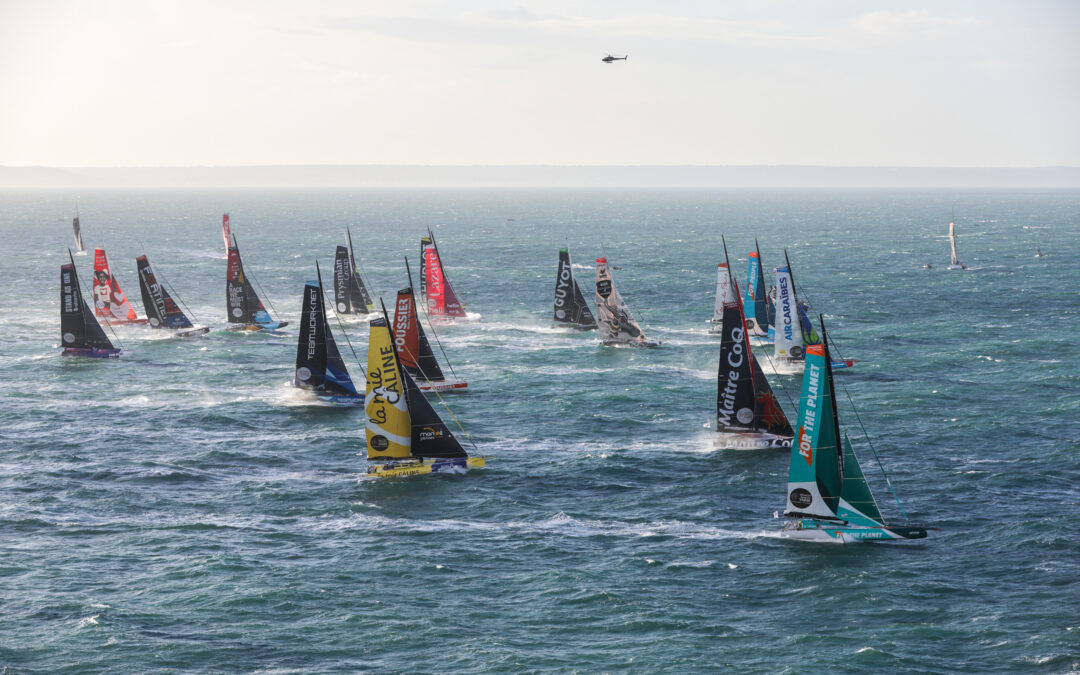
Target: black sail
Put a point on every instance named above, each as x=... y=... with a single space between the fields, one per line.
x=78 y=327
x=735 y=377
x=161 y=310
x=570 y=306
x=343 y=282
x=430 y=436
x=311 y=346
x=361 y=299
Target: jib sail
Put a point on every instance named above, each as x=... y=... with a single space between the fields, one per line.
x=161 y=310
x=571 y=308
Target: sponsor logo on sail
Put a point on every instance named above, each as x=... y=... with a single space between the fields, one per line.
x=801 y=498
x=430 y=434
x=69 y=337
x=379 y=443
x=303 y=374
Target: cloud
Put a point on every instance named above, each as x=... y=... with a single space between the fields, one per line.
x=912 y=22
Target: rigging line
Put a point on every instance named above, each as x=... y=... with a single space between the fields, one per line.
x=441 y=399
x=446 y=358
x=341 y=325
x=176 y=295
x=268 y=301
x=874 y=450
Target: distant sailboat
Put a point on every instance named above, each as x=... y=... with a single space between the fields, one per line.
x=77 y=231
x=110 y=303
x=954 y=263
x=414 y=350
x=748 y=416
x=571 y=309
x=759 y=306
x=161 y=310
x=350 y=294
x=80 y=332
x=617 y=323
x=443 y=305
x=405 y=436
x=319 y=366
x=246 y=311
x=723 y=285
x=827 y=495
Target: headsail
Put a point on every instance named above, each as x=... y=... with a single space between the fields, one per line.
x=413 y=349
x=815 y=478
x=78 y=327
x=857 y=503
x=357 y=291
x=109 y=301
x=616 y=319
x=319 y=365
x=571 y=309
x=161 y=310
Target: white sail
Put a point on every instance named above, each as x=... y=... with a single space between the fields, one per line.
x=952 y=243
x=617 y=324
x=789 y=336
x=723 y=291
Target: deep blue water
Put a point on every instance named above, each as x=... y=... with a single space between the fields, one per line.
x=182 y=509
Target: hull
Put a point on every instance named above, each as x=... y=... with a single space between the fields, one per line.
x=444 y=320
x=122 y=322
x=333 y=400
x=715 y=327
x=836 y=365
x=415 y=467
x=759 y=440
x=80 y=253
x=91 y=352
x=258 y=326
x=630 y=343
x=786 y=366
x=961 y=266
x=194 y=331
x=809 y=529
x=443 y=385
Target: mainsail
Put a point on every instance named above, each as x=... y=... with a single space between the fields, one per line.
x=723 y=285
x=442 y=301
x=400 y=421
x=815 y=477
x=226 y=231
x=79 y=330
x=789 y=342
x=319 y=365
x=571 y=309
x=616 y=319
x=243 y=303
x=757 y=299
x=952 y=243
x=161 y=310
x=110 y=302
x=413 y=349
x=744 y=400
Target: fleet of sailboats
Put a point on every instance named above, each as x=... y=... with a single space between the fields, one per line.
x=828 y=496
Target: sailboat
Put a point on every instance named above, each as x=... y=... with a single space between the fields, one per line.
x=827 y=496
x=413 y=349
x=571 y=310
x=161 y=310
x=350 y=294
x=404 y=434
x=760 y=309
x=792 y=329
x=748 y=416
x=110 y=303
x=617 y=324
x=77 y=231
x=319 y=366
x=954 y=263
x=443 y=305
x=722 y=287
x=80 y=332
x=246 y=311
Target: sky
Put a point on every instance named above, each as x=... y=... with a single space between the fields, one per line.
x=472 y=82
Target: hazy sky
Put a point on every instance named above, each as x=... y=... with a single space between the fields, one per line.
x=833 y=82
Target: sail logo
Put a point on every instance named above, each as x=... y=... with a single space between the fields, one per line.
x=402 y=321
x=341 y=277
x=809 y=414
x=801 y=498
x=430 y=434
x=562 y=288
x=735 y=360
x=603 y=288
x=313 y=322
x=785 y=306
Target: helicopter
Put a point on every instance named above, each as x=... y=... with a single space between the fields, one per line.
x=609 y=58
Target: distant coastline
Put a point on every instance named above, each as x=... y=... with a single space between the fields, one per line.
x=538 y=176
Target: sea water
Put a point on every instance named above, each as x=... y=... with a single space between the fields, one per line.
x=183 y=508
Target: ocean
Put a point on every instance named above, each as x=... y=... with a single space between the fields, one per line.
x=184 y=509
